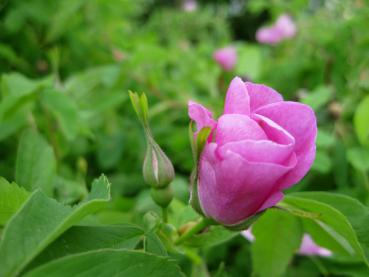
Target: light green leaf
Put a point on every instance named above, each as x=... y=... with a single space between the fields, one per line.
x=11 y=198
x=249 y=61
x=361 y=121
x=35 y=165
x=109 y=263
x=322 y=162
x=65 y=111
x=333 y=229
x=318 y=97
x=39 y=222
x=359 y=158
x=355 y=213
x=277 y=237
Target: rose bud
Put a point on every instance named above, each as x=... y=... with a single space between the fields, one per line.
x=158 y=171
x=260 y=146
x=282 y=29
x=226 y=58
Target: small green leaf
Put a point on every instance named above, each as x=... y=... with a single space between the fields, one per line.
x=359 y=158
x=40 y=221
x=361 y=121
x=35 y=165
x=277 y=237
x=109 y=262
x=11 y=198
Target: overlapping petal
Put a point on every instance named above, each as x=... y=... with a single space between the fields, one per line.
x=232 y=188
x=261 y=95
x=202 y=116
x=237 y=98
x=235 y=127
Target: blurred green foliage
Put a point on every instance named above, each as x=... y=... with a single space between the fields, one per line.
x=66 y=68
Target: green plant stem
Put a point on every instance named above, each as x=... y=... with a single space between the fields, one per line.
x=201 y=225
x=165 y=214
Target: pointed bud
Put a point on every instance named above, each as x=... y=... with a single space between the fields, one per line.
x=158 y=170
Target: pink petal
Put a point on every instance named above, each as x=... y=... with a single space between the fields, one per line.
x=237 y=99
x=232 y=189
x=226 y=57
x=265 y=151
x=299 y=120
x=286 y=26
x=309 y=247
x=269 y=35
x=261 y=95
x=248 y=234
x=271 y=201
x=202 y=116
x=235 y=127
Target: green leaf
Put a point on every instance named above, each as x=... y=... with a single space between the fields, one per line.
x=277 y=237
x=361 y=121
x=40 y=221
x=322 y=162
x=354 y=212
x=318 y=98
x=35 y=165
x=87 y=238
x=109 y=262
x=211 y=237
x=359 y=158
x=11 y=198
x=330 y=228
x=65 y=111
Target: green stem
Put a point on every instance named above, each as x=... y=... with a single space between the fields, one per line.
x=202 y=224
x=165 y=214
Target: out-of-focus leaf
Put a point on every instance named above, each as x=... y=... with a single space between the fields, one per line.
x=65 y=110
x=36 y=165
x=359 y=158
x=361 y=121
x=277 y=237
x=40 y=221
x=322 y=162
x=318 y=97
x=249 y=61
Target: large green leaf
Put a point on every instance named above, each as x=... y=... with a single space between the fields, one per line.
x=87 y=238
x=39 y=222
x=277 y=237
x=36 y=165
x=332 y=226
x=356 y=213
x=11 y=198
x=109 y=262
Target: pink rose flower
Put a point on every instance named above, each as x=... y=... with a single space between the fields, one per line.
x=189 y=5
x=282 y=29
x=226 y=57
x=307 y=248
x=259 y=146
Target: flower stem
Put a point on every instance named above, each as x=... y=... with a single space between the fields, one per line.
x=165 y=214
x=201 y=225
